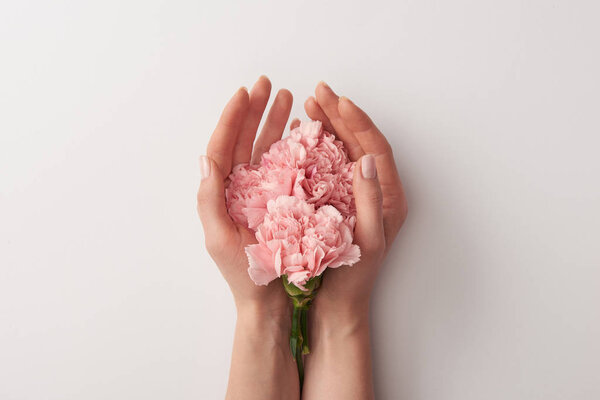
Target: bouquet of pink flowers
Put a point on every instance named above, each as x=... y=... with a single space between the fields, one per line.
x=298 y=200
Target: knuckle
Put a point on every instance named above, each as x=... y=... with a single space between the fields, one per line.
x=202 y=196
x=397 y=206
x=404 y=211
x=374 y=197
x=222 y=246
x=387 y=148
x=374 y=247
x=213 y=247
x=203 y=206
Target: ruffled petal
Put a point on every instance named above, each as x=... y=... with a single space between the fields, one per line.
x=260 y=262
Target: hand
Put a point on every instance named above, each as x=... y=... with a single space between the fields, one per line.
x=230 y=144
x=380 y=201
x=339 y=365
x=260 y=358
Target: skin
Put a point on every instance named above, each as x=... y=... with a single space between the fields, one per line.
x=261 y=364
x=339 y=366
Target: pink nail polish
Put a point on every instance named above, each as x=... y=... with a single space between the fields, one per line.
x=367 y=167
x=204 y=167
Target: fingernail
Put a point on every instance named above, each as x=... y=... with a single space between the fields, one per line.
x=345 y=99
x=324 y=84
x=204 y=167
x=244 y=88
x=367 y=167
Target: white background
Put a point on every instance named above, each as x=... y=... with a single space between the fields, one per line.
x=493 y=288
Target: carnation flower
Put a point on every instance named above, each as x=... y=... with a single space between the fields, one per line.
x=309 y=164
x=251 y=187
x=299 y=242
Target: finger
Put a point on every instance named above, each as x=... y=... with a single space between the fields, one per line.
x=369 y=231
x=316 y=113
x=274 y=125
x=211 y=202
x=294 y=124
x=259 y=96
x=371 y=140
x=221 y=143
x=328 y=101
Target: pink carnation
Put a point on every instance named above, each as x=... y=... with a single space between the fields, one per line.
x=309 y=164
x=299 y=242
x=251 y=187
x=299 y=202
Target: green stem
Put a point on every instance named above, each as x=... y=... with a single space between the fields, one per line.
x=296 y=339
x=301 y=300
x=295 y=334
x=304 y=330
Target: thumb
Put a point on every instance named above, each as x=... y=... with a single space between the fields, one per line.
x=211 y=202
x=369 y=232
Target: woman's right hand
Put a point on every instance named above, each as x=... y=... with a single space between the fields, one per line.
x=232 y=143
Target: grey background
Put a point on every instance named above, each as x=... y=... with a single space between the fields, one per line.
x=492 y=289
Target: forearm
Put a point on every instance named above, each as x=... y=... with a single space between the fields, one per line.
x=339 y=365
x=262 y=366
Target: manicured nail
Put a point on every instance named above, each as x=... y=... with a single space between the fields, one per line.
x=367 y=167
x=204 y=167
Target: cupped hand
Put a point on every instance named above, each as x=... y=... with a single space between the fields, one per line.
x=233 y=142
x=380 y=201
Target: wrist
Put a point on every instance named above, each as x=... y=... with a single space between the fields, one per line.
x=263 y=311
x=341 y=319
x=263 y=320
